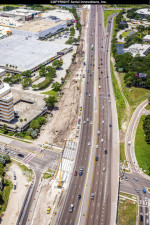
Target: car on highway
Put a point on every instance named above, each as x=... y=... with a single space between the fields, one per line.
x=97 y=146
x=141 y=217
x=102 y=140
x=71 y=208
x=105 y=151
x=96 y=159
x=89 y=95
x=102 y=121
x=21 y=155
x=81 y=168
x=87 y=119
x=144 y=190
x=110 y=125
x=84 y=122
x=126 y=178
x=108 y=95
x=137 y=190
x=135 y=178
x=48 y=209
x=91 y=122
x=147 y=221
x=98 y=132
x=99 y=87
x=109 y=101
x=80 y=173
x=92 y=196
x=79 y=196
x=104 y=169
x=89 y=143
x=129 y=142
x=103 y=107
x=75 y=173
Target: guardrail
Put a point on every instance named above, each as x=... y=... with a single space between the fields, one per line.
x=23 y=206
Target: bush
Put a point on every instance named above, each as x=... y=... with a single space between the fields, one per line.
x=45 y=83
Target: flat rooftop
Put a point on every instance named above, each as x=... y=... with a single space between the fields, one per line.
x=137 y=49
x=21 y=12
x=38 y=26
x=59 y=13
x=147 y=37
x=27 y=54
x=143 y=11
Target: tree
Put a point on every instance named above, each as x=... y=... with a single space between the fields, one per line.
x=51 y=71
x=56 y=86
x=26 y=82
x=1 y=169
x=27 y=73
x=34 y=134
x=6 y=158
x=50 y=101
x=34 y=124
x=57 y=64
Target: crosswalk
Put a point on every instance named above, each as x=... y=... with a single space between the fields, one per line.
x=28 y=158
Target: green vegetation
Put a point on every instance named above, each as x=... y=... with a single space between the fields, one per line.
x=124 y=34
x=44 y=84
x=4 y=195
x=26 y=82
x=147 y=107
x=148 y=189
x=50 y=101
x=127 y=211
x=142 y=149
x=57 y=64
x=26 y=171
x=146 y=128
x=108 y=13
x=9 y=7
x=56 y=86
x=131 y=14
x=48 y=174
x=122 y=153
x=40 y=7
x=120 y=104
x=51 y=92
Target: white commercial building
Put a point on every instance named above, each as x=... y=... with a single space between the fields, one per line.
x=24 y=14
x=61 y=14
x=139 y=49
x=146 y=38
x=6 y=103
x=38 y=29
x=2 y=72
x=143 y=12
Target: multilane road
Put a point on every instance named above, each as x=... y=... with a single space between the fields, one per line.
x=77 y=183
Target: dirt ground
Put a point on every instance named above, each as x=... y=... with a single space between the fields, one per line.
x=49 y=196
x=16 y=197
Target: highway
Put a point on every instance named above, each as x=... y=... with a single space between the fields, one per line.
x=77 y=182
x=99 y=209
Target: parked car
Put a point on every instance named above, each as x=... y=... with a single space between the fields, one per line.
x=21 y=155
x=48 y=209
x=71 y=208
x=75 y=173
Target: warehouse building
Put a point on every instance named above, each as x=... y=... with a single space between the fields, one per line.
x=21 y=53
x=39 y=29
x=6 y=103
x=137 y=49
x=146 y=38
x=24 y=14
x=61 y=14
x=143 y=12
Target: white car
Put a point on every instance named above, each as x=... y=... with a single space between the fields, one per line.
x=97 y=146
x=109 y=101
x=104 y=169
x=102 y=140
x=103 y=107
x=129 y=143
x=87 y=119
x=98 y=132
x=84 y=122
x=89 y=95
x=89 y=143
x=99 y=87
x=102 y=121
x=91 y=122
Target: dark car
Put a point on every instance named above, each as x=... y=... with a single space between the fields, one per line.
x=96 y=159
x=79 y=196
x=20 y=155
x=105 y=151
x=141 y=217
x=80 y=173
x=110 y=125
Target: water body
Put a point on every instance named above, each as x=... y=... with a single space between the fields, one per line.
x=120 y=48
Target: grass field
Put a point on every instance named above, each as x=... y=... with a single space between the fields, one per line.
x=128 y=6
x=120 y=104
x=142 y=149
x=53 y=93
x=1 y=5
x=134 y=95
x=147 y=107
x=107 y=13
x=127 y=211
x=124 y=34
x=122 y=154
x=5 y=193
